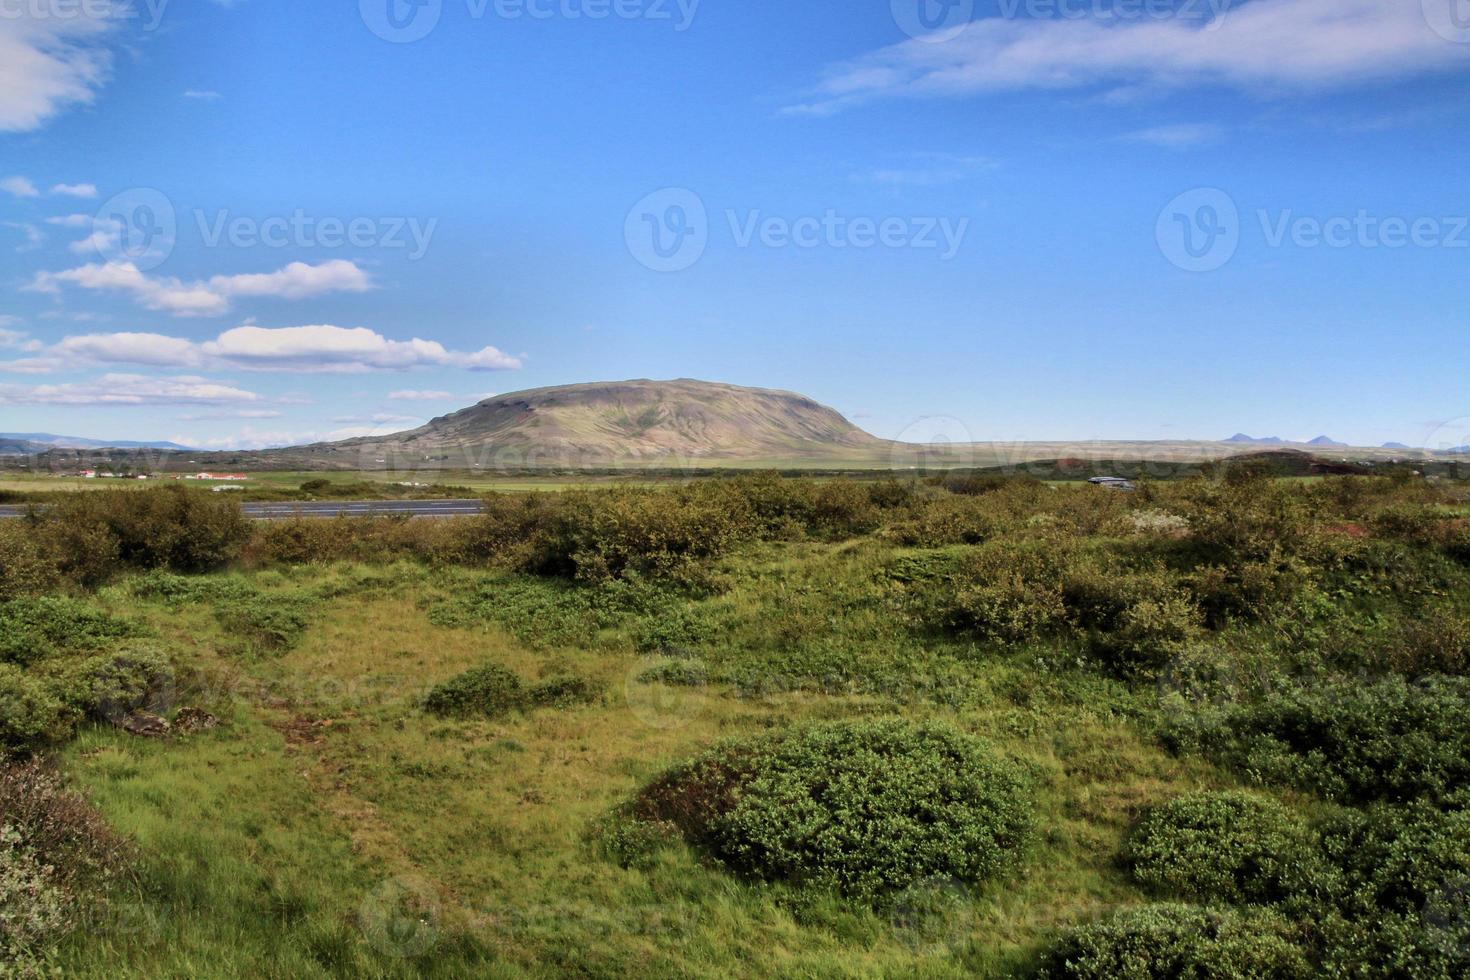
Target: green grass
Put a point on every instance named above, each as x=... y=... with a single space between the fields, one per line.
x=333 y=828
x=264 y=839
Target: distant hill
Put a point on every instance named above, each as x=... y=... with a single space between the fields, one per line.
x=1395 y=445
x=639 y=420
x=1266 y=441
x=1325 y=441
x=47 y=441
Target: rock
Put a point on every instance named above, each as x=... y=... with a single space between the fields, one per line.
x=191 y=720
x=145 y=725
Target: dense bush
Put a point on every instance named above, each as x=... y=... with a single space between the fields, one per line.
x=561 y=692
x=1353 y=742
x=1172 y=942
x=1228 y=847
x=861 y=808
x=30 y=715
x=26 y=567
x=486 y=691
x=170 y=527
x=33 y=629
x=56 y=858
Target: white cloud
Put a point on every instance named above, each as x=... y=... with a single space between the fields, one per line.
x=212 y=298
x=202 y=95
x=19 y=186
x=1178 y=136
x=263 y=413
x=48 y=64
x=297 y=281
x=312 y=350
x=248 y=437
x=929 y=169
x=75 y=190
x=379 y=418
x=71 y=220
x=34 y=238
x=420 y=396
x=1266 y=45
x=127 y=389
x=11 y=338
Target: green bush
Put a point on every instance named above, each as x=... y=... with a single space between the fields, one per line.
x=31 y=717
x=172 y=527
x=26 y=567
x=35 y=913
x=1173 y=942
x=1228 y=847
x=33 y=629
x=864 y=809
x=111 y=686
x=562 y=692
x=486 y=691
x=1352 y=742
x=265 y=623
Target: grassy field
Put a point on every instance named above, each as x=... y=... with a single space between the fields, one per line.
x=331 y=826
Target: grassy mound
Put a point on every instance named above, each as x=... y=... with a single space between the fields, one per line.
x=861 y=808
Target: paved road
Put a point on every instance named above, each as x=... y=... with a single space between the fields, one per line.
x=350 y=508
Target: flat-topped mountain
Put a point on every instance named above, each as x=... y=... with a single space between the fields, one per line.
x=644 y=420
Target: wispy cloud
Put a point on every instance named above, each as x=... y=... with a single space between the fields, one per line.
x=420 y=396
x=202 y=95
x=928 y=169
x=48 y=64
x=320 y=349
x=1177 y=137
x=1261 y=46
x=19 y=186
x=207 y=297
x=75 y=190
x=127 y=389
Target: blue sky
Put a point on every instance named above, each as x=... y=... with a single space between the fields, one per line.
x=1050 y=219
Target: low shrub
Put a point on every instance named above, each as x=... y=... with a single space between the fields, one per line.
x=1353 y=742
x=562 y=692
x=110 y=686
x=1170 y=942
x=486 y=691
x=864 y=809
x=171 y=527
x=1228 y=847
x=33 y=629
x=26 y=567
x=265 y=623
x=31 y=717
x=57 y=857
